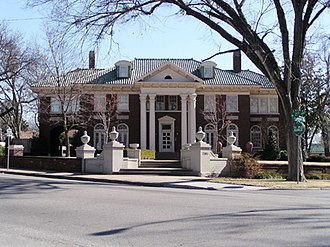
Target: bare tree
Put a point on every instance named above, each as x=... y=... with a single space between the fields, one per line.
x=64 y=89
x=250 y=26
x=18 y=63
x=215 y=114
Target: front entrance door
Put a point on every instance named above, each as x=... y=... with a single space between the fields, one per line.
x=166 y=134
x=166 y=139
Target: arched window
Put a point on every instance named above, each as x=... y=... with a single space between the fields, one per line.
x=211 y=136
x=168 y=77
x=123 y=134
x=234 y=129
x=99 y=136
x=274 y=130
x=255 y=136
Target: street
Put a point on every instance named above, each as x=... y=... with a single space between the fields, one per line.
x=55 y=212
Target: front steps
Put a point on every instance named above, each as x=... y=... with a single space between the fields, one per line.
x=159 y=167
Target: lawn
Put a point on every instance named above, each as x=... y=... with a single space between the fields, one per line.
x=276 y=183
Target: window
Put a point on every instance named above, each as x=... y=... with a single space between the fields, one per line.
x=273 y=105
x=99 y=136
x=123 y=102
x=55 y=105
x=71 y=105
x=263 y=105
x=255 y=136
x=168 y=77
x=211 y=136
x=274 y=131
x=254 y=105
x=207 y=69
x=209 y=103
x=123 y=71
x=233 y=128
x=123 y=68
x=99 y=103
x=173 y=103
x=123 y=134
x=160 y=102
x=232 y=103
x=208 y=72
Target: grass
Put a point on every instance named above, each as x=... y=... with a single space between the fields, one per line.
x=275 y=183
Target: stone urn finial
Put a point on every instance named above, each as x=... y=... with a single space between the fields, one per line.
x=85 y=138
x=114 y=134
x=231 y=139
x=200 y=134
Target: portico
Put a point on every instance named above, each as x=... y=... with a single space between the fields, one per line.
x=165 y=137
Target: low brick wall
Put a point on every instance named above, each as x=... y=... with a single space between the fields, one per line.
x=309 y=167
x=59 y=164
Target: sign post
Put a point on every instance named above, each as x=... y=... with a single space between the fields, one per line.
x=298 y=129
x=9 y=135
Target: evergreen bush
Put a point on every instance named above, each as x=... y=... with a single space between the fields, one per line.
x=271 y=151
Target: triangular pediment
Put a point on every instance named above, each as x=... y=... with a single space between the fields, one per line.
x=166 y=119
x=169 y=72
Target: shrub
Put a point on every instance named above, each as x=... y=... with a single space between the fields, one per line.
x=245 y=166
x=322 y=176
x=318 y=159
x=283 y=155
x=270 y=175
x=148 y=154
x=271 y=151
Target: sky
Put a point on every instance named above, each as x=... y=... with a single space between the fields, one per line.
x=153 y=37
x=171 y=37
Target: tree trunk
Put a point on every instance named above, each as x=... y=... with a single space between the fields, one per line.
x=326 y=142
x=67 y=143
x=295 y=158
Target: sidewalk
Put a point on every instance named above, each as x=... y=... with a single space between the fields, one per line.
x=182 y=182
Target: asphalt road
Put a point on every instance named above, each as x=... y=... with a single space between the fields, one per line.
x=50 y=212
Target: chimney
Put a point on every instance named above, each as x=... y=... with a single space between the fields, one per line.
x=237 y=64
x=92 y=60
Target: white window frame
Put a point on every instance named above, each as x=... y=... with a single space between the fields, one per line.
x=123 y=71
x=100 y=136
x=271 y=108
x=211 y=136
x=123 y=136
x=208 y=72
x=55 y=105
x=123 y=102
x=160 y=104
x=256 y=136
x=232 y=103
x=209 y=103
x=70 y=105
x=172 y=105
x=100 y=102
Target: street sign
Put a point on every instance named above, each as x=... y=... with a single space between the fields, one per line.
x=298 y=128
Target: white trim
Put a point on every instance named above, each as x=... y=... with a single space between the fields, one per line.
x=166 y=120
x=184 y=126
x=152 y=130
x=172 y=66
x=143 y=121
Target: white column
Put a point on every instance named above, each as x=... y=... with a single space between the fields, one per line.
x=184 y=126
x=152 y=128
x=192 y=117
x=143 y=121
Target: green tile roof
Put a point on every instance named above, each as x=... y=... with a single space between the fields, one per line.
x=142 y=66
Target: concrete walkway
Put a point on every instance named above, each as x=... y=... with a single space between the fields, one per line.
x=182 y=182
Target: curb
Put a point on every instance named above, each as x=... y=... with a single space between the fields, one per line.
x=103 y=180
